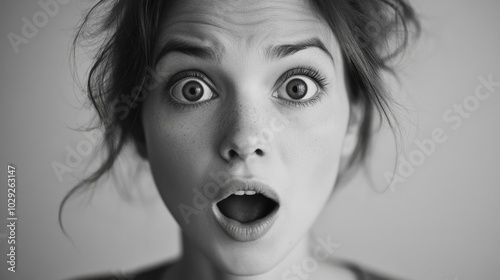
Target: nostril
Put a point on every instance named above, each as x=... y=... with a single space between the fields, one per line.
x=232 y=154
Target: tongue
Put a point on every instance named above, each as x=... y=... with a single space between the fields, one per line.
x=246 y=208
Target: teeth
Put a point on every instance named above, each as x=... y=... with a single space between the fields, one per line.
x=245 y=192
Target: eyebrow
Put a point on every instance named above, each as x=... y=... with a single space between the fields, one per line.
x=272 y=52
x=189 y=48
x=282 y=51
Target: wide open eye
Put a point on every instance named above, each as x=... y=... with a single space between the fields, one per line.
x=297 y=88
x=192 y=90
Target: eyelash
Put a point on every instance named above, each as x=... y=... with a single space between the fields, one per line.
x=170 y=82
x=311 y=73
x=304 y=71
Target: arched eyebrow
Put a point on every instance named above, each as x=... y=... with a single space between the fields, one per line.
x=272 y=52
x=282 y=51
x=189 y=48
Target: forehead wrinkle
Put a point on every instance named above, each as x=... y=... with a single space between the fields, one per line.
x=238 y=30
x=247 y=26
x=238 y=17
x=263 y=16
x=217 y=38
x=244 y=12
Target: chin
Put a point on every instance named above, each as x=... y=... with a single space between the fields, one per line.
x=250 y=264
x=252 y=258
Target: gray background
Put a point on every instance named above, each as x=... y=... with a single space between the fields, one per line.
x=440 y=223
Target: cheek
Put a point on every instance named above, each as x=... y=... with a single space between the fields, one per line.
x=314 y=149
x=314 y=162
x=172 y=143
x=313 y=145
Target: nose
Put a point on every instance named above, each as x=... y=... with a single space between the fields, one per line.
x=243 y=133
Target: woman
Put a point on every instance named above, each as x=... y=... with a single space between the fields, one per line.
x=248 y=112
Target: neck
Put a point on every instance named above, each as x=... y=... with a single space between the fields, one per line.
x=195 y=265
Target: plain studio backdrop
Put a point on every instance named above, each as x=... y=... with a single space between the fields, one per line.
x=438 y=221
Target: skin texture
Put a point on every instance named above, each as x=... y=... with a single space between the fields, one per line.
x=248 y=131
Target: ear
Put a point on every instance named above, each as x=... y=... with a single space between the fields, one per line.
x=351 y=138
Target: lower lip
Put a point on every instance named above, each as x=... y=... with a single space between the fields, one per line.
x=245 y=232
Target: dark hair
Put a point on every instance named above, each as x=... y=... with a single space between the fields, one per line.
x=126 y=33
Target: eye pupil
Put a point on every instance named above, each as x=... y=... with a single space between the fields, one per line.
x=192 y=91
x=296 y=89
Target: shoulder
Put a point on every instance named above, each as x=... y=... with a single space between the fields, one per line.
x=364 y=273
x=357 y=271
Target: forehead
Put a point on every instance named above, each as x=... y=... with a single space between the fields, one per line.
x=245 y=23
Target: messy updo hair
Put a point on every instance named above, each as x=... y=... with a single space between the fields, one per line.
x=370 y=34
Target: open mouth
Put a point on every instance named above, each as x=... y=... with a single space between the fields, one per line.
x=247 y=206
x=246 y=210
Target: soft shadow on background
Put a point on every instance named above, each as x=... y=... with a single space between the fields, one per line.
x=439 y=220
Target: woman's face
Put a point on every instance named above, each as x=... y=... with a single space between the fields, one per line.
x=253 y=94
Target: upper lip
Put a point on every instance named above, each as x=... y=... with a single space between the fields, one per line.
x=235 y=185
